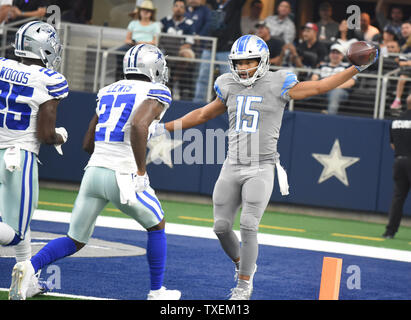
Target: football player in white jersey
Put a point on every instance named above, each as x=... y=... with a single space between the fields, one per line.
x=31 y=90
x=116 y=171
x=254 y=98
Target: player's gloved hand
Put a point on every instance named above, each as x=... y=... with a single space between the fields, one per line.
x=362 y=68
x=64 y=135
x=141 y=183
x=155 y=130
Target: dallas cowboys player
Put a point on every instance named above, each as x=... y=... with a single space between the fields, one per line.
x=116 y=171
x=30 y=93
x=254 y=98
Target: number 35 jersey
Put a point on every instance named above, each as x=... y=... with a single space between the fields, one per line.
x=255 y=114
x=23 y=89
x=116 y=104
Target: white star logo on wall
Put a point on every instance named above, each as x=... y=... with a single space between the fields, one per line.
x=335 y=164
x=160 y=150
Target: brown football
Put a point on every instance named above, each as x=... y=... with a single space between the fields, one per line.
x=361 y=53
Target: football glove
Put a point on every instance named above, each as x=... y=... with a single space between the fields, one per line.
x=365 y=66
x=141 y=183
x=63 y=133
x=155 y=130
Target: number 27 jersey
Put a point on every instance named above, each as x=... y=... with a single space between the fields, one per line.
x=23 y=89
x=116 y=105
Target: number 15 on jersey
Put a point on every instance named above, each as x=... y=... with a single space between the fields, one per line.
x=246 y=117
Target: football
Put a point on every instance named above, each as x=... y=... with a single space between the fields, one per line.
x=361 y=53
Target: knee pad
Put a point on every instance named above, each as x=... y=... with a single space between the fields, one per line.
x=249 y=222
x=221 y=226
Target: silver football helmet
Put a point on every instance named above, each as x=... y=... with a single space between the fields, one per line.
x=39 y=40
x=148 y=60
x=249 y=47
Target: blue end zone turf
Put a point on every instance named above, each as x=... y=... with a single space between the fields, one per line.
x=199 y=268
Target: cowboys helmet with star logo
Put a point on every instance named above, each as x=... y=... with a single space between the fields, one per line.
x=148 y=60
x=39 y=40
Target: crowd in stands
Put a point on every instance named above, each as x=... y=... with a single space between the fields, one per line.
x=319 y=46
x=316 y=46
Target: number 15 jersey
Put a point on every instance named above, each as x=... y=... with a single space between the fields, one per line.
x=23 y=89
x=116 y=104
x=255 y=114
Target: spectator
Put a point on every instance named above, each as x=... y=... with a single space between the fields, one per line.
x=367 y=29
x=405 y=41
x=310 y=52
x=335 y=65
x=248 y=23
x=177 y=24
x=78 y=13
x=281 y=25
x=328 y=28
x=25 y=9
x=200 y=15
x=228 y=29
x=395 y=21
x=405 y=65
x=275 y=44
x=142 y=29
x=6 y=14
x=390 y=62
x=347 y=36
x=6 y=11
x=388 y=35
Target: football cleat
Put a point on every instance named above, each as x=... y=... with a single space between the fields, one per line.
x=37 y=286
x=164 y=294
x=244 y=293
x=22 y=276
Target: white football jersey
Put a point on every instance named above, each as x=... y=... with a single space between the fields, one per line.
x=23 y=89
x=115 y=105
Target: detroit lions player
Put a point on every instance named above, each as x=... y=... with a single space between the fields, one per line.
x=254 y=98
x=30 y=93
x=116 y=171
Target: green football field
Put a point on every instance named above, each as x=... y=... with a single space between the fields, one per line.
x=278 y=223
x=289 y=224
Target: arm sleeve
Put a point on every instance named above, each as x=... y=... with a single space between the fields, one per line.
x=220 y=90
x=289 y=80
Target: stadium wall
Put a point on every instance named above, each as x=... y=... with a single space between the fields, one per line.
x=356 y=176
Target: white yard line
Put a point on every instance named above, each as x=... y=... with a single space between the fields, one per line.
x=263 y=238
x=63 y=295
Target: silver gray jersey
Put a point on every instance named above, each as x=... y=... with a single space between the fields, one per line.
x=255 y=114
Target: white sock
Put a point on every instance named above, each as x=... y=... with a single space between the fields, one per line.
x=397 y=99
x=23 y=248
x=7 y=234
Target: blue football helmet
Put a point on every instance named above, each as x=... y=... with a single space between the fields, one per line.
x=39 y=40
x=148 y=60
x=249 y=47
